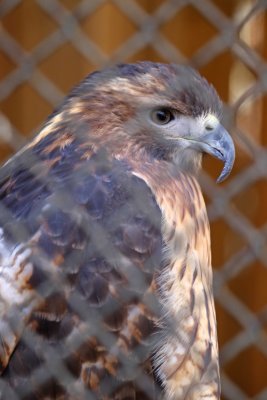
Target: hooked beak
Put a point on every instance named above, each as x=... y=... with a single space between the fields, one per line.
x=219 y=144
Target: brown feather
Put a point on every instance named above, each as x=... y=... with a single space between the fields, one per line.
x=105 y=248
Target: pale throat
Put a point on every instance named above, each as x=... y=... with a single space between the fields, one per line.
x=187 y=159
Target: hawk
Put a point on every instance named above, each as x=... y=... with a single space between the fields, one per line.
x=105 y=266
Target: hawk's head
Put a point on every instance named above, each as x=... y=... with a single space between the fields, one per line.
x=150 y=109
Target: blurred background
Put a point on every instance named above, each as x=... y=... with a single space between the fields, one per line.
x=48 y=46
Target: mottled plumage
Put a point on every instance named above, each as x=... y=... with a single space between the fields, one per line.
x=105 y=269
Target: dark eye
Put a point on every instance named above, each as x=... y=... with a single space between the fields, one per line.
x=162 y=116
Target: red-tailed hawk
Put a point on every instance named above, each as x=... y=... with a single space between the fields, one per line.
x=105 y=267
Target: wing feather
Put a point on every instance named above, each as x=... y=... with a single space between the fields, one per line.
x=93 y=248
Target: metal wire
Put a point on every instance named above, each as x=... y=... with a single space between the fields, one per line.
x=221 y=205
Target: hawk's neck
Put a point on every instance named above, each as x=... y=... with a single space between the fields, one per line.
x=188 y=349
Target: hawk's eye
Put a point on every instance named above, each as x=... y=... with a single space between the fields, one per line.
x=162 y=116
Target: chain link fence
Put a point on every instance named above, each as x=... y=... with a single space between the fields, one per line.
x=47 y=46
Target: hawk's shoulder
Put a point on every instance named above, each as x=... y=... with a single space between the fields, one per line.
x=88 y=234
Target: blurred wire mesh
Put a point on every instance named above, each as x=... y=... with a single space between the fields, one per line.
x=48 y=46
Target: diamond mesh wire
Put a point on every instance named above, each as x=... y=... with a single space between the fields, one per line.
x=47 y=46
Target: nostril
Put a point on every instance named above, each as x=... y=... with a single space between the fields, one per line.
x=209 y=128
